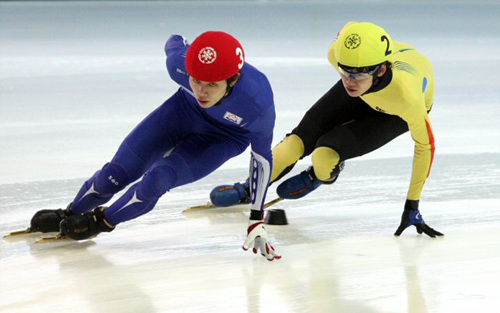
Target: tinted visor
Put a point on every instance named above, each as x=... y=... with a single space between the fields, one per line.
x=356 y=74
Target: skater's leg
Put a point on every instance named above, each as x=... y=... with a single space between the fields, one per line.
x=192 y=159
x=156 y=134
x=145 y=144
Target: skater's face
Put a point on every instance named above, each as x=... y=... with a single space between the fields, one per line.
x=208 y=93
x=357 y=83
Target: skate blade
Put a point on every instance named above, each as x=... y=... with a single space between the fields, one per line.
x=209 y=206
x=205 y=206
x=17 y=233
x=57 y=237
x=273 y=202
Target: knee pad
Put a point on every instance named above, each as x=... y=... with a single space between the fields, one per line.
x=325 y=161
x=285 y=154
x=156 y=182
x=111 y=179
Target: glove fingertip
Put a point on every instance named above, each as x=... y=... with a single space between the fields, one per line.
x=435 y=232
x=399 y=231
x=430 y=234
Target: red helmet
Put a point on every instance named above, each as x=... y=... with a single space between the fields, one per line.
x=214 y=56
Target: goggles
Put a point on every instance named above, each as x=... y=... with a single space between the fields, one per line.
x=358 y=75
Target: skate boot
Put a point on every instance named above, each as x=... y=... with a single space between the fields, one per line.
x=228 y=195
x=304 y=183
x=47 y=221
x=86 y=225
x=299 y=185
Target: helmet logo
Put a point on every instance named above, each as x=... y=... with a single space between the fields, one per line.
x=352 y=41
x=207 y=55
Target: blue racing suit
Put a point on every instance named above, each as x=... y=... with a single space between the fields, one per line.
x=181 y=142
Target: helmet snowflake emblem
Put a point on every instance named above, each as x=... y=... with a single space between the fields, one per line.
x=352 y=41
x=207 y=55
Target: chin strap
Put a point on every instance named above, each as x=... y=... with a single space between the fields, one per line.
x=380 y=83
x=229 y=89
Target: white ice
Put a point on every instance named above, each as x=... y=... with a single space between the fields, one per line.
x=75 y=77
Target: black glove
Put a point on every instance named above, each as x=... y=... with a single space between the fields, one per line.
x=411 y=216
x=86 y=225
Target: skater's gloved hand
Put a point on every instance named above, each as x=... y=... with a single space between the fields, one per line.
x=411 y=216
x=257 y=237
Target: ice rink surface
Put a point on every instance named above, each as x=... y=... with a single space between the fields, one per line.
x=75 y=77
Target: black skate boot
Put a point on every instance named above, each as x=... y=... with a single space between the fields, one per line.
x=47 y=221
x=86 y=225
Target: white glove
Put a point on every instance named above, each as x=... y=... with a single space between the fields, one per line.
x=257 y=235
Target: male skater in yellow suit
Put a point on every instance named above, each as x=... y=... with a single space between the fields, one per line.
x=386 y=88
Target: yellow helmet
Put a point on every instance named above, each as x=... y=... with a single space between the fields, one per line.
x=361 y=45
